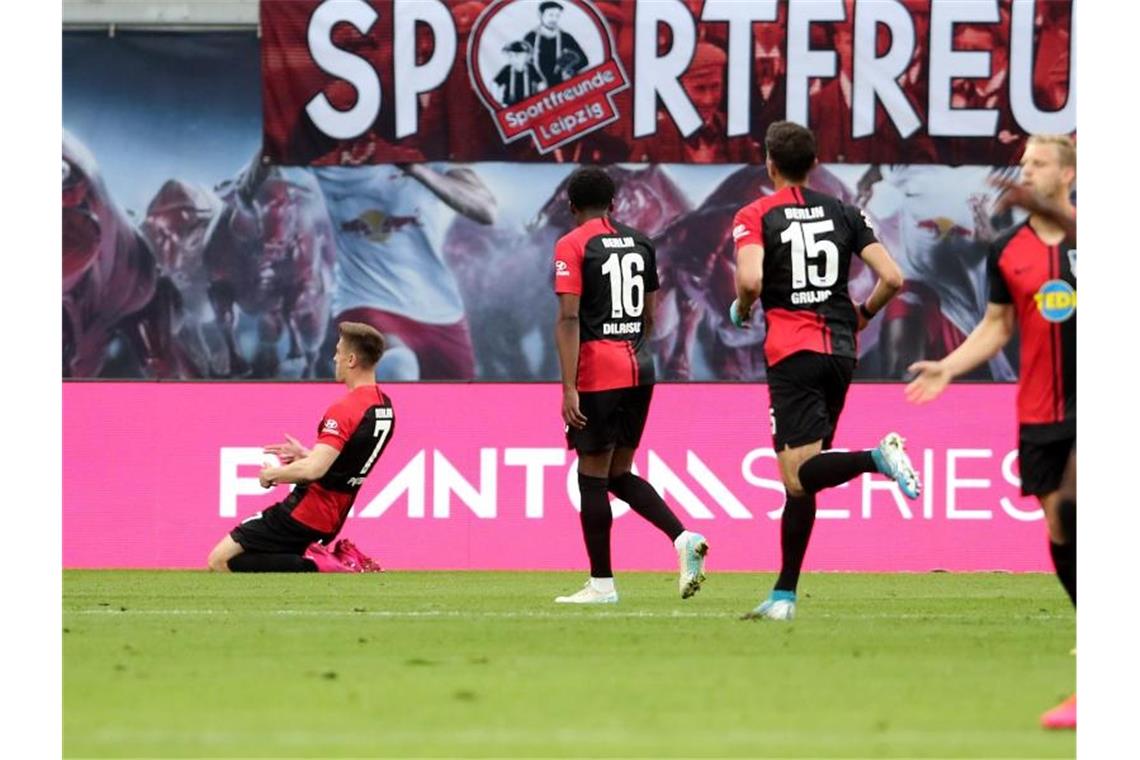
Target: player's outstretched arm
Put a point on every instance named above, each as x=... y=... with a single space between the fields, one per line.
x=461 y=189
x=989 y=337
x=568 y=340
x=305 y=470
x=889 y=283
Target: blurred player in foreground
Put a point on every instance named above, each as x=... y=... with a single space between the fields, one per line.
x=605 y=275
x=1033 y=285
x=793 y=254
x=291 y=535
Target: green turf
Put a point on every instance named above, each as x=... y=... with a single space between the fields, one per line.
x=189 y=664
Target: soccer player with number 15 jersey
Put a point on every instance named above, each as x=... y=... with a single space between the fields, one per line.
x=793 y=255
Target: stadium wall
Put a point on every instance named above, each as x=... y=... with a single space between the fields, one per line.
x=478 y=477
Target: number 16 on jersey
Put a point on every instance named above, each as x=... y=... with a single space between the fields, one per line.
x=627 y=285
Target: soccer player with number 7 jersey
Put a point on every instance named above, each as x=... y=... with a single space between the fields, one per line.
x=291 y=535
x=793 y=255
x=605 y=275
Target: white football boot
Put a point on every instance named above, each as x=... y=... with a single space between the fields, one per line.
x=780 y=605
x=691 y=551
x=892 y=461
x=589 y=595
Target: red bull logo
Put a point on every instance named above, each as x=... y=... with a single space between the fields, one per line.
x=377 y=226
x=943 y=227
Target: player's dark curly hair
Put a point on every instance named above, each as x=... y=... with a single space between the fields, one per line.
x=791 y=148
x=591 y=189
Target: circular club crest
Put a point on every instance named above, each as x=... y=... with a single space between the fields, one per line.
x=545 y=68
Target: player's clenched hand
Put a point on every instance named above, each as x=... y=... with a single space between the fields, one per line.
x=571 y=412
x=738 y=319
x=932 y=378
x=287 y=452
x=265 y=477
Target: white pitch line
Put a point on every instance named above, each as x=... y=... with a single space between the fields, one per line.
x=540 y=615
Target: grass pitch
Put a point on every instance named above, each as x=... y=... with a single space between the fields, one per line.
x=189 y=664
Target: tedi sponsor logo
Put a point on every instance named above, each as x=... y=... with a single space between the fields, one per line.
x=545 y=68
x=1056 y=300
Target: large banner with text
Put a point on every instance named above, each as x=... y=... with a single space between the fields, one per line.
x=348 y=82
x=478 y=477
x=185 y=256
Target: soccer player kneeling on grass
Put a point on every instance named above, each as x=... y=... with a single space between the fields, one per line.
x=793 y=254
x=292 y=535
x=605 y=275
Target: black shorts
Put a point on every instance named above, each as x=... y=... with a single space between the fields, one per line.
x=274 y=531
x=614 y=419
x=807 y=391
x=1042 y=463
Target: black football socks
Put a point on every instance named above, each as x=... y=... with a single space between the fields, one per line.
x=597 y=519
x=248 y=562
x=645 y=501
x=1065 y=555
x=795 y=532
x=828 y=469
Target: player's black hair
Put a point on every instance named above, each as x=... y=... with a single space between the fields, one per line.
x=548 y=5
x=591 y=189
x=791 y=148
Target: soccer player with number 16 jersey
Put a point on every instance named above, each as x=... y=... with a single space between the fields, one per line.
x=605 y=275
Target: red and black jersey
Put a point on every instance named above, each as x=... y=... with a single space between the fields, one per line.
x=359 y=426
x=808 y=240
x=1040 y=280
x=612 y=267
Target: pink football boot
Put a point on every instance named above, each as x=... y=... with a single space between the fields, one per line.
x=1063 y=716
x=349 y=555
x=326 y=561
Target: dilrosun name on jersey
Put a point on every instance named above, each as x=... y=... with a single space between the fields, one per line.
x=621 y=328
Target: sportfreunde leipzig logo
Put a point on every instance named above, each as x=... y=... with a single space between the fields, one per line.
x=545 y=68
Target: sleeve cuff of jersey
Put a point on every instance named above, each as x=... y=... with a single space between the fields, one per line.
x=750 y=240
x=331 y=440
x=566 y=290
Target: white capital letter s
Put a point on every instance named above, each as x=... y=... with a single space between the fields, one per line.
x=343 y=125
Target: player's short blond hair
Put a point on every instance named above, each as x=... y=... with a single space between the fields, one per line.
x=363 y=340
x=1066 y=148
